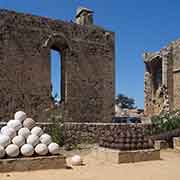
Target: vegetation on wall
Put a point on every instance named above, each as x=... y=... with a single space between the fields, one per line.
x=166 y=121
x=57 y=129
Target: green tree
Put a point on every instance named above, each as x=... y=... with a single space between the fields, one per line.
x=125 y=101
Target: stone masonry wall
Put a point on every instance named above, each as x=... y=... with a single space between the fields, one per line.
x=176 y=74
x=112 y=134
x=87 y=58
x=170 y=59
x=109 y=134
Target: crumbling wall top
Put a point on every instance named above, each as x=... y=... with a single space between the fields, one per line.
x=151 y=56
x=81 y=10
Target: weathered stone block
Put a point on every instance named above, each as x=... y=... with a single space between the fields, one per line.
x=161 y=144
x=117 y=156
x=176 y=143
x=32 y=163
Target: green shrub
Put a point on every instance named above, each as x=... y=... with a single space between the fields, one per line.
x=166 y=121
x=57 y=129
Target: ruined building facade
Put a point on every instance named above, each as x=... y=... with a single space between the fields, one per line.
x=162 y=80
x=87 y=66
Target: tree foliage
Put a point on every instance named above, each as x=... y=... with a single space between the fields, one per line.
x=125 y=101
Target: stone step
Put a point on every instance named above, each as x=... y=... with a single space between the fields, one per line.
x=32 y=163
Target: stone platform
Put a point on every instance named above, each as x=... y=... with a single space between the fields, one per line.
x=117 y=156
x=161 y=144
x=32 y=163
x=176 y=143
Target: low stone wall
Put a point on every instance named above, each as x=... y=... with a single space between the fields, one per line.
x=76 y=133
x=96 y=132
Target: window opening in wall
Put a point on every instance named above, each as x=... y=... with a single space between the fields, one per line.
x=56 y=92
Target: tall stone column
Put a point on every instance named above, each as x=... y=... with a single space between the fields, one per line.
x=167 y=78
x=147 y=93
x=164 y=71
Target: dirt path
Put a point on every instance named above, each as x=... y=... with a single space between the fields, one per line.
x=166 y=169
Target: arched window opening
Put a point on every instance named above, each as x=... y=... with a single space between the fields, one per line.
x=56 y=77
x=157 y=75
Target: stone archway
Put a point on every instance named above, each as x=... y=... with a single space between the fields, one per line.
x=59 y=43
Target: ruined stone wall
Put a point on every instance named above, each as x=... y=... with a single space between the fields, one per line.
x=87 y=67
x=109 y=134
x=112 y=134
x=148 y=108
x=176 y=74
x=170 y=79
x=153 y=87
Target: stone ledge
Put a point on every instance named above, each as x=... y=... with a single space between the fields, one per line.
x=161 y=144
x=32 y=163
x=176 y=143
x=117 y=156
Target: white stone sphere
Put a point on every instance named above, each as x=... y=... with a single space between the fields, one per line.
x=33 y=140
x=12 y=150
x=2 y=152
x=29 y=123
x=4 y=140
x=27 y=150
x=76 y=160
x=8 y=131
x=25 y=132
x=15 y=124
x=46 y=139
x=37 y=131
x=41 y=149
x=54 y=148
x=20 y=115
x=3 y=129
x=18 y=140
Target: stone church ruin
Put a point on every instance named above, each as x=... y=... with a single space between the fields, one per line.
x=87 y=66
x=162 y=80
x=87 y=81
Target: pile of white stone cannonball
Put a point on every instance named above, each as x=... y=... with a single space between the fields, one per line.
x=22 y=137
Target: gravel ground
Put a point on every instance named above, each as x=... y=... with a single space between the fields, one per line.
x=166 y=169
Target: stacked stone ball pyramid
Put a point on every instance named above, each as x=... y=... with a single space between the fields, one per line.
x=22 y=137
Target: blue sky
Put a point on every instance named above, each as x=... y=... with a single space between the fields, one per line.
x=140 y=25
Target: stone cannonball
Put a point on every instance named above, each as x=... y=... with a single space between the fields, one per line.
x=8 y=131
x=18 y=140
x=4 y=140
x=37 y=131
x=54 y=148
x=2 y=152
x=25 y=132
x=76 y=160
x=33 y=140
x=3 y=129
x=12 y=150
x=45 y=139
x=20 y=115
x=41 y=149
x=15 y=124
x=27 y=150
x=29 y=123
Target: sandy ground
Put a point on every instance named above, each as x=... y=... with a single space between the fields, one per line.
x=166 y=169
